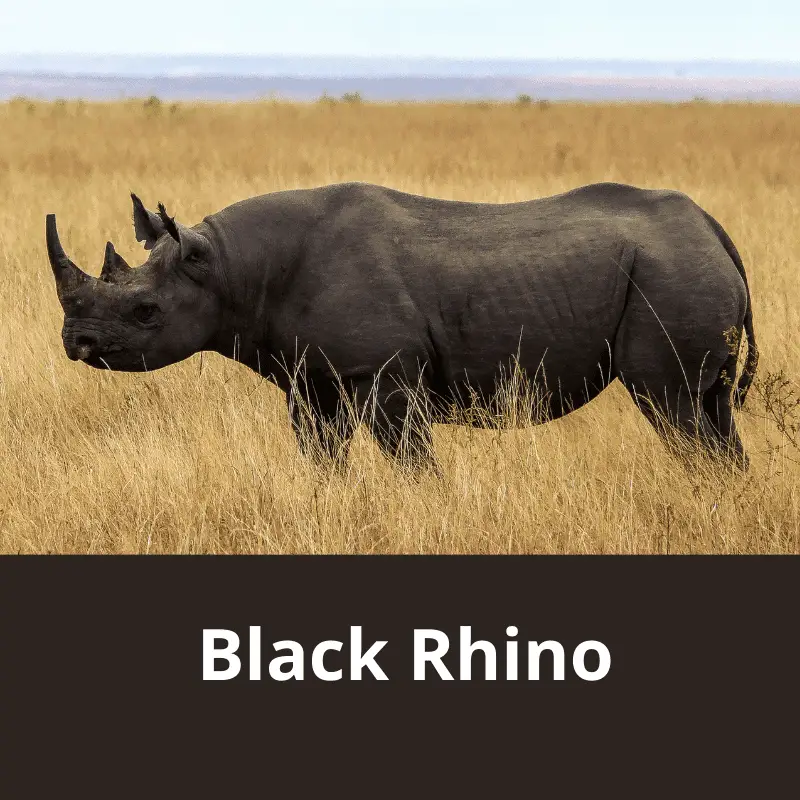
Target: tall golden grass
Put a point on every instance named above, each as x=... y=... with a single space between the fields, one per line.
x=200 y=458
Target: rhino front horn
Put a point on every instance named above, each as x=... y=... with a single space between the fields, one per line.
x=114 y=265
x=68 y=276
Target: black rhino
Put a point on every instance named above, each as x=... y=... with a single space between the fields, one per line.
x=374 y=288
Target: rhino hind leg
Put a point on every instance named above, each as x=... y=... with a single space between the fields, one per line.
x=718 y=408
x=681 y=380
x=686 y=427
x=688 y=422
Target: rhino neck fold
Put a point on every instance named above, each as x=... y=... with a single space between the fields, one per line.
x=249 y=263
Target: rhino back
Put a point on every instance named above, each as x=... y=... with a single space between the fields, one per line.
x=461 y=286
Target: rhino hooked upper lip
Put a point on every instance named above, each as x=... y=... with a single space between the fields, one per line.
x=87 y=348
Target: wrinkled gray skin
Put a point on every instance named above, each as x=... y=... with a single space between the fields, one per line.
x=606 y=281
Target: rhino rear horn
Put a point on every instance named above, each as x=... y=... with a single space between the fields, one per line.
x=114 y=266
x=68 y=276
x=146 y=224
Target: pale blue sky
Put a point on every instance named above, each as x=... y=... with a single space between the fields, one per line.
x=619 y=29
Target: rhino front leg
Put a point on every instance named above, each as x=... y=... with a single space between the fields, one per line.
x=400 y=421
x=324 y=428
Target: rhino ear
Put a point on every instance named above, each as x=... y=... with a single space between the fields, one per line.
x=194 y=245
x=147 y=225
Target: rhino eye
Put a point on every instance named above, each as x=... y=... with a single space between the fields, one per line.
x=145 y=312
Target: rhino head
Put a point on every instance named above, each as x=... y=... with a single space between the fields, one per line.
x=146 y=318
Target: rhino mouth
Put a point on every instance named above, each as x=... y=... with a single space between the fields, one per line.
x=98 y=362
x=101 y=362
x=113 y=357
x=90 y=353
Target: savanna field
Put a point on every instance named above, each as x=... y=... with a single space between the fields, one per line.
x=200 y=457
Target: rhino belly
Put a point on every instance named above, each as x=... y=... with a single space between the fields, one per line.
x=559 y=360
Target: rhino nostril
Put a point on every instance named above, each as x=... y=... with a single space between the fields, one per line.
x=83 y=347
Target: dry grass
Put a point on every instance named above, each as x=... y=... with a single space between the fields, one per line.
x=199 y=457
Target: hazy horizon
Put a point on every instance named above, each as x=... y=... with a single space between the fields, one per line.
x=287 y=63
x=402 y=50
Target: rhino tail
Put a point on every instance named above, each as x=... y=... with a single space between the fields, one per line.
x=749 y=371
x=751 y=361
